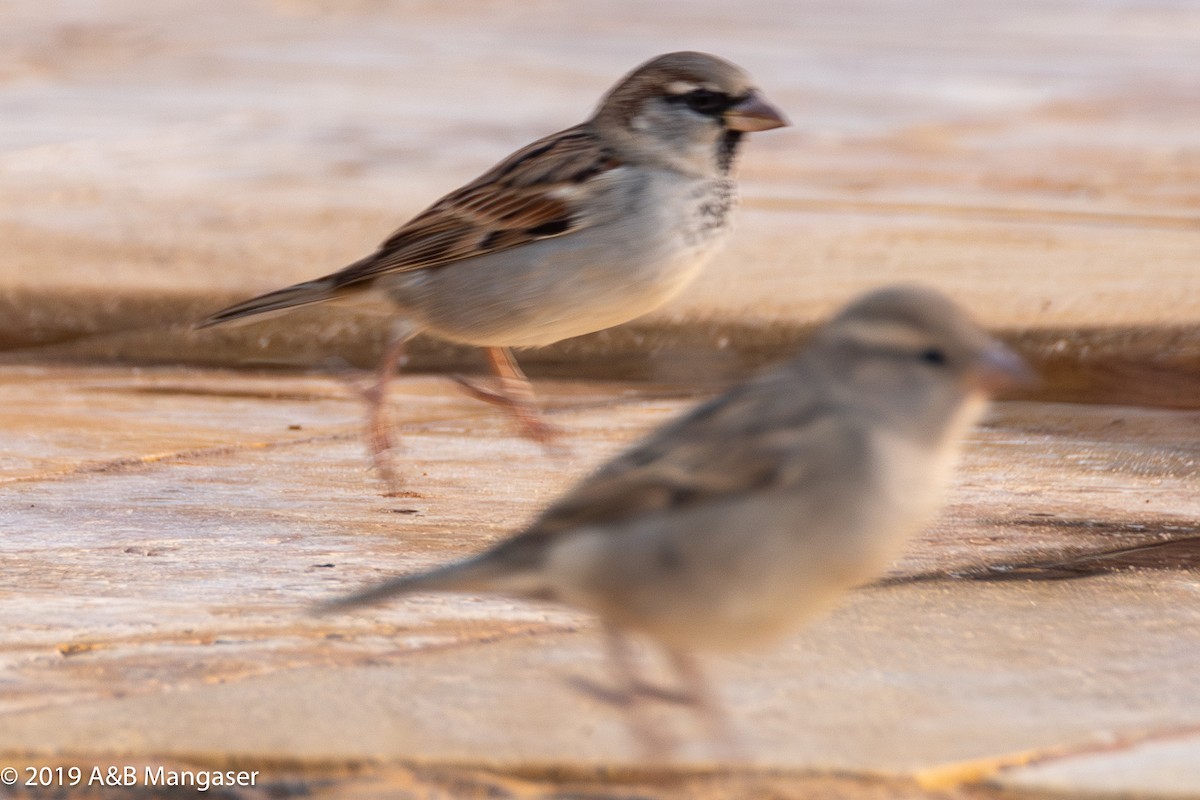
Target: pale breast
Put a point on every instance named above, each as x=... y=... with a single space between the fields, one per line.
x=912 y=476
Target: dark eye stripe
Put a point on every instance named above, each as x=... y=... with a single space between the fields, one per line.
x=705 y=101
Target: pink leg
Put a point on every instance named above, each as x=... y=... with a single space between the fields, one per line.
x=379 y=438
x=515 y=395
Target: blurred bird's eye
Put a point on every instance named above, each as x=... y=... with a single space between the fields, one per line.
x=933 y=356
x=706 y=101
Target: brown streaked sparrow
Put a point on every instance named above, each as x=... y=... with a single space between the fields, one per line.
x=582 y=230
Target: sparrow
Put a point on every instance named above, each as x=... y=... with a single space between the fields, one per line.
x=582 y=230
x=731 y=525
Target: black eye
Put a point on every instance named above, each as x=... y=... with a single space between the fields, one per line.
x=705 y=101
x=933 y=356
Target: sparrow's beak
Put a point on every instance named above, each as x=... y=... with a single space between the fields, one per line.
x=999 y=368
x=754 y=114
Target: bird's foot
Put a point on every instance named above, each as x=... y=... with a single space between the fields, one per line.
x=524 y=413
x=380 y=444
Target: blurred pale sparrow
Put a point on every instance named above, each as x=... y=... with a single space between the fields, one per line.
x=734 y=523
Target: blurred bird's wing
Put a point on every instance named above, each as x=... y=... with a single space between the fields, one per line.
x=744 y=441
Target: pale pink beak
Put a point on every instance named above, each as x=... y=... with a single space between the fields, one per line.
x=999 y=368
x=754 y=114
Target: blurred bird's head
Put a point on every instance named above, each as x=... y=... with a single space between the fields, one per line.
x=911 y=352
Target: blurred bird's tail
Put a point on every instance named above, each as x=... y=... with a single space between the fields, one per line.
x=302 y=294
x=484 y=573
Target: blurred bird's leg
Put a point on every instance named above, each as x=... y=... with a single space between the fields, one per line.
x=633 y=694
x=654 y=742
x=515 y=395
x=630 y=694
x=700 y=696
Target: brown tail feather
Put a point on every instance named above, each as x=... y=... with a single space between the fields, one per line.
x=302 y=294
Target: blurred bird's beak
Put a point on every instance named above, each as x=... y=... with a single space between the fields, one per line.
x=754 y=114
x=999 y=368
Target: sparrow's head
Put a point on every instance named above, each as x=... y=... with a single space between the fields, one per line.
x=687 y=108
x=915 y=356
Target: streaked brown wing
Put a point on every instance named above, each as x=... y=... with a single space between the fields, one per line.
x=534 y=194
